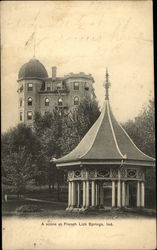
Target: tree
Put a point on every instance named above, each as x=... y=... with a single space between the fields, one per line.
x=20 y=155
x=47 y=129
x=87 y=114
x=142 y=129
x=17 y=170
x=59 y=135
x=142 y=132
x=76 y=126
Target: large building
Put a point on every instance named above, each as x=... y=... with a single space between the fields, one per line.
x=37 y=92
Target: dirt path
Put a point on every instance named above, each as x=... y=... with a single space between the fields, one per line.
x=45 y=201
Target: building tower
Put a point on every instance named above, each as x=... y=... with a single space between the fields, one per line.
x=30 y=80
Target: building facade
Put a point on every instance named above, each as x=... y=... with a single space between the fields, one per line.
x=37 y=92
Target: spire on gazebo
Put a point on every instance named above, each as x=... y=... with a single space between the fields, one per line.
x=107 y=85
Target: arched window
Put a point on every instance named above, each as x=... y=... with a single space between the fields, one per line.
x=60 y=102
x=30 y=86
x=29 y=101
x=76 y=85
x=29 y=115
x=47 y=102
x=76 y=100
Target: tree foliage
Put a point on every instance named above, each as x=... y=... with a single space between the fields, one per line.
x=26 y=154
x=142 y=132
x=88 y=112
x=59 y=135
x=20 y=156
x=142 y=129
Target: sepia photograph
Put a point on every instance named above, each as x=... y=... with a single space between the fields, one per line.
x=78 y=126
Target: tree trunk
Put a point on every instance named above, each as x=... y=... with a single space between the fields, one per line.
x=58 y=191
x=58 y=187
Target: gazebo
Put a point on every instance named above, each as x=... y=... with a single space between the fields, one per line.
x=105 y=156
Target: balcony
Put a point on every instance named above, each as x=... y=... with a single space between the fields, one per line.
x=61 y=105
x=61 y=90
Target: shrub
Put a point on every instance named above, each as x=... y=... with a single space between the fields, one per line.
x=28 y=209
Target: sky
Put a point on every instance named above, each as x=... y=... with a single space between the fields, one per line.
x=81 y=36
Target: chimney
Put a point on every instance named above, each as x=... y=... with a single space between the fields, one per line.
x=54 y=70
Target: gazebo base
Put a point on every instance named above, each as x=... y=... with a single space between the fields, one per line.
x=85 y=209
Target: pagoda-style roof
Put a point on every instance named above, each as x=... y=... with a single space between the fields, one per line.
x=106 y=143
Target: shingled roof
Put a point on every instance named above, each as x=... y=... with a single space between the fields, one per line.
x=106 y=142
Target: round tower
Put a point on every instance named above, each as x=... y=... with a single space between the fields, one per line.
x=30 y=79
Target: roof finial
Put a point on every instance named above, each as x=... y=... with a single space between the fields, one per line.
x=107 y=85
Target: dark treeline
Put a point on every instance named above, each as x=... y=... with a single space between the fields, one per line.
x=26 y=153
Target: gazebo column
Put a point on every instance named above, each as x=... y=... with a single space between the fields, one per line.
x=101 y=196
x=93 y=194
x=113 y=194
x=123 y=194
x=138 y=194
x=87 y=194
x=78 y=194
x=96 y=194
x=84 y=194
x=73 y=194
x=127 y=194
x=119 y=193
x=142 y=194
x=69 y=194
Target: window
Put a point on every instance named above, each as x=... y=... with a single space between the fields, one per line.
x=20 y=116
x=21 y=88
x=20 y=102
x=48 y=87
x=76 y=86
x=29 y=101
x=29 y=115
x=60 y=102
x=30 y=86
x=86 y=86
x=59 y=85
x=47 y=102
x=76 y=100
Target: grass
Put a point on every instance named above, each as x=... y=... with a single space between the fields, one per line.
x=57 y=209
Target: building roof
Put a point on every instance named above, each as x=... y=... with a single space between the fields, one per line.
x=81 y=75
x=106 y=141
x=32 y=69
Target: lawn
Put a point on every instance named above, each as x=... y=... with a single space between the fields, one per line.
x=56 y=209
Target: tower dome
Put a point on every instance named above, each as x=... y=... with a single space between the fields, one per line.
x=32 y=69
